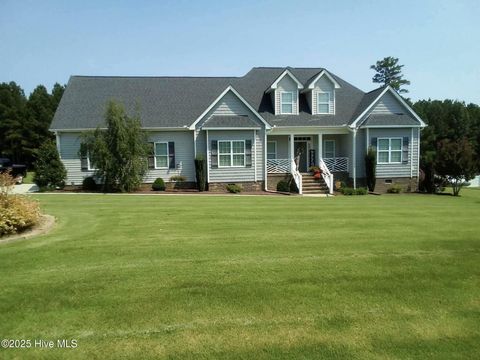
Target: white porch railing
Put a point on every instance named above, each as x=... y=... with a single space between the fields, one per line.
x=278 y=166
x=327 y=175
x=337 y=163
x=296 y=176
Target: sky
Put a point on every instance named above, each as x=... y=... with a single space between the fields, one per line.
x=438 y=41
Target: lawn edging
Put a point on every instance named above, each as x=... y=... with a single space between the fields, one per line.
x=46 y=223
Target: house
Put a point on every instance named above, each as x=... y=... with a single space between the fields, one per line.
x=251 y=128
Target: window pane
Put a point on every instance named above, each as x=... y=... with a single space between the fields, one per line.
x=161 y=149
x=396 y=144
x=271 y=147
x=383 y=157
x=287 y=97
x=396 y=156
x=383 y=144
x=271 y=156
x=224 y=160
x=238 y=160
x=287 y=108
x=323 y=97
x=323 y=108
x=162 y=161
x=238 y=147
x=224 y=147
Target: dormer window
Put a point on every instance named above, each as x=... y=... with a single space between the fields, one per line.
x=286 y=102
x=323 y=102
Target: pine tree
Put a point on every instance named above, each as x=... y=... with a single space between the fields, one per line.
x=389 y=72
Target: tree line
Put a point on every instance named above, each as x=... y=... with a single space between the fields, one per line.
x=25 y=121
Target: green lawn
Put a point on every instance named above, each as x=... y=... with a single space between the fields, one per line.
x=238 y=277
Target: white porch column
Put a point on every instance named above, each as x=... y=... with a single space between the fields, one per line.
x=320 y=148
x=354 y=160
x=255 y=154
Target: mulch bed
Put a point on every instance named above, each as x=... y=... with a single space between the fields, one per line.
x=46 y=223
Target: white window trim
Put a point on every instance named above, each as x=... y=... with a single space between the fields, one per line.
x=155 y=155
x=231 y=153
x=325 y=147
x=275 y=142
x=286 y=103
x=389 y=150
x=89 y=166
x=324 y=103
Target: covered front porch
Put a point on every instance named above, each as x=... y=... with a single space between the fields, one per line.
x=295 y=153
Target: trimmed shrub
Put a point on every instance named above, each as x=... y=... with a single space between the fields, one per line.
x=17 y=213
x=352 y=191
x=394 y=189
x=234 y=188
x=158 y=185
x=49 y=170
x=361 y=191
x=370 y=168
x=89 y=184
x=201 y=173
x=178 y=178
x=283 y=186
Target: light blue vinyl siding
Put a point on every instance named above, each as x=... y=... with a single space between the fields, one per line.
x=70 y=145
x=388 y=104
x=402 y=169
x=286 y=84
x=323 y=85
x=237 y=174
x=184 y=155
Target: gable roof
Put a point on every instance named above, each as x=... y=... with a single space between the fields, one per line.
x=282 y=75
x=178 y=102
x=374 y=120
x=311 y=83
x=371 y=99
x=235 y=121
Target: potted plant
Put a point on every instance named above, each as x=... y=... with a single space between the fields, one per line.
x=316 y=171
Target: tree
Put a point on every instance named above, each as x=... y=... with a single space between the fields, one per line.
x=49 y=170
x=370 y=168
x=12 y=121
x=389 y=72
x=456 y=162
x=118 y=153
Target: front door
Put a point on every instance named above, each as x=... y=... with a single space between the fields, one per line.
x=301 y=155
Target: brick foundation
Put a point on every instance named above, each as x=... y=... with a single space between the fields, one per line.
x=273 y=179
x=381 y=186
x=248 y=186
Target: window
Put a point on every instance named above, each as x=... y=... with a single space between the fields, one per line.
x=329 y=149
x=286 y=102
x=323 y=103
x=90 y=166
x=231 y=153
x=161 y=155
x=389 y=150
x=271 y=149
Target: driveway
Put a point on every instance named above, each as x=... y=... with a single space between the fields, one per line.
x=25 y=188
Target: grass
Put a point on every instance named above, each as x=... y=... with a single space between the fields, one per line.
x=29 y=178
x=196 y=277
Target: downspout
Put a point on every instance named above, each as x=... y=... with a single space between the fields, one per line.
x=354 y=158
x=208 y=159
x=255 y=154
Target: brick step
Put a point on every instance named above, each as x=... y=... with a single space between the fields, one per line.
x=315 y=192
x=315 y=186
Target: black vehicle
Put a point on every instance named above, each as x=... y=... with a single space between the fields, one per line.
x=16 y=170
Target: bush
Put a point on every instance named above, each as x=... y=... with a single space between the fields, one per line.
x=283 y=186
x=370 y=168
x=201 y=173
x=361 y=191
x=17 y=213
x=234 y=188
x=49 y=170
x=178 y=178
x=89 y=184
x=158 y=185
x=394 y=189
x=352 y=191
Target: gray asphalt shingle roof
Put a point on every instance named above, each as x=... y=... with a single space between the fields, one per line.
x=389 y=119
x=164 y=102
x=230 y=122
